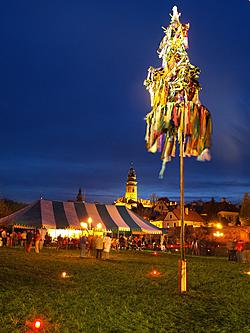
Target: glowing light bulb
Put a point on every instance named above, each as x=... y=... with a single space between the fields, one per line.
x=99 y=226
x=84 y=225
x=37 y=324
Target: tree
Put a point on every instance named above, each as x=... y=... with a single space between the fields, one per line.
x=245 y=210
x=8 y=207
x=153 y=198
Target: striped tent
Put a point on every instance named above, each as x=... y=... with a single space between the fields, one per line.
x=64 y=215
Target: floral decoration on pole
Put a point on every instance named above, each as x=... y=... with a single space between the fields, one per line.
x=177 y=116
x=174 y=92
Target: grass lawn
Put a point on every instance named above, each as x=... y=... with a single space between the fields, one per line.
x=120 y=295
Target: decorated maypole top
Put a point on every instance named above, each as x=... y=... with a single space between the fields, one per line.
x=174 y=93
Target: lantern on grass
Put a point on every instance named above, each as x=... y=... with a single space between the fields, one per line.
x=64 y=275
x=38 y=325
x=177 y=116
x=35 y=325
x=155 y=272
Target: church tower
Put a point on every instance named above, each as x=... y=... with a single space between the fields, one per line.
x=131 y=186
x=79 y=196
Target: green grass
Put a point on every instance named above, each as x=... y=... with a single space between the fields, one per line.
x=119 y=295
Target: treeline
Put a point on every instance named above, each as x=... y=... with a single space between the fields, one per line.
x=8 y=207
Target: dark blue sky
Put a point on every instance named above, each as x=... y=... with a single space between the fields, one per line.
x=73 y=103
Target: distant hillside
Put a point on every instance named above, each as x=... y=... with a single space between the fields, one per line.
x=8 y=207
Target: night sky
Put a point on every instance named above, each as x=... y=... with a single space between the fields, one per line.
x=73 y=103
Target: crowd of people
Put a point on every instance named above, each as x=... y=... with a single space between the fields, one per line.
x=99 y=246
x=95 y=246
x=23 y=238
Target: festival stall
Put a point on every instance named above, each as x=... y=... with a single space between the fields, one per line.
x=72 y=219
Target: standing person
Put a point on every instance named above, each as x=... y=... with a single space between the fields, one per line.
x=23 y=235
x=99 y=247
x=239 y=250
x=195 y=247
x=59 y=242
x=114 y=244
x=19 y=238
x=37 y=239
x=11 y=242
x=92 y=247
x=106 y=246
x=4 y=237
x=29 y=240
x=42 y=233
x=8 y=239
x=139 y=244
x=83 y=246
x=122 y=242
x=231 y=251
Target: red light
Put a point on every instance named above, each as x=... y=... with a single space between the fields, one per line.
x=155 y=273
x=37 y=325
x=155 y=253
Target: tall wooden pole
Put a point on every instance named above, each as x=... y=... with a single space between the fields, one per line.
x=182 y=233
x=182 y=265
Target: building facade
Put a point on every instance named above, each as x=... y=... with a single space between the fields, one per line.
x=191 y=218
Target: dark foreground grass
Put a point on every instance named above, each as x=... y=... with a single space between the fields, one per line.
x=119 y=295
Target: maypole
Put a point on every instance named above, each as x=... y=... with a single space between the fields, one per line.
x=177 y=115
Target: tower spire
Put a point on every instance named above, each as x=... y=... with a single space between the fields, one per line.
x=79 y=196
x=131 y=185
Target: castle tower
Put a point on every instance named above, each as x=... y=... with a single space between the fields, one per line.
x=131 y=186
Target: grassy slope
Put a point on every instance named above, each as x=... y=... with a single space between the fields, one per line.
x=119 y=295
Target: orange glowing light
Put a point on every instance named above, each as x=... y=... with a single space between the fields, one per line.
x=155 y=272
x=155 y=253
x=218 y=234
x=84 y=225
x=37 y=326
x=64 y=275
x=99 y=226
